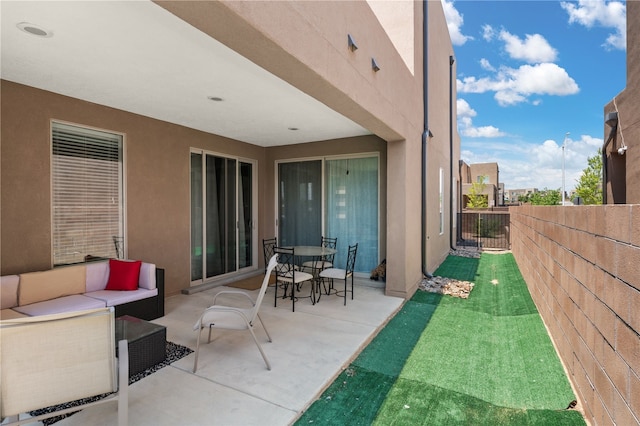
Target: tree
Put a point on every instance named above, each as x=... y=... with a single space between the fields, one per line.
x=476 y=198
x=546 y=197
x=589 y=186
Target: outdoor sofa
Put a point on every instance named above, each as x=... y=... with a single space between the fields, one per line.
x=110 y=283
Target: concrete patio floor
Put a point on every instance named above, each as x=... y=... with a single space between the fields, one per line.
x=232 y=385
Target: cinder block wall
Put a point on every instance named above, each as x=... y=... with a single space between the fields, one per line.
x=582 y=267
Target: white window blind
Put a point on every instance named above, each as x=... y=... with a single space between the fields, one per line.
x=87 y=180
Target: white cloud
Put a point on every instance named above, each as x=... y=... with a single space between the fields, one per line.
x=601 y=13
x=482 y=132
x=536 y=165
x=533 y=49
x=515 y=85
x=488 y=32
x=485 y=64
x=464 y=109
x=465 y=123
x=454 y=23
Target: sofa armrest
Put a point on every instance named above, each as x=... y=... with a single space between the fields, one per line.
x=149 y=308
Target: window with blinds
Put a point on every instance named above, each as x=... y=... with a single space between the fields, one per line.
x=87 y=199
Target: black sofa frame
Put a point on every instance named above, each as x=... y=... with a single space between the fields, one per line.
x=149 y=308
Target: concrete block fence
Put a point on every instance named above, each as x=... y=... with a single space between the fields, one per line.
x=582 y=267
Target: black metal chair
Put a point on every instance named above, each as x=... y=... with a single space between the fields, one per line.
x=342 y=274
x=324 y=262
x=288 y=274
x=268 y=246
x=118 y=242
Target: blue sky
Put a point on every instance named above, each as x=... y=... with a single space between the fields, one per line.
x=528 y=72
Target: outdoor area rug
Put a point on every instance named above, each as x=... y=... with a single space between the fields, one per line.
x=251 y=283
x=174 y=353
x=444 y=360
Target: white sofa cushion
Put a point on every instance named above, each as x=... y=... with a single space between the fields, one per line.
x=48 y=285
x=76 y=302
x=9 y=291
x=97 y=276
x=114 y=297
x=148 y=276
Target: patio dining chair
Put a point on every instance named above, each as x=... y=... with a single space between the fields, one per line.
x=332 y=274
x=234 y=318
x=268 y=245
x=324 y=262
x=290 y=275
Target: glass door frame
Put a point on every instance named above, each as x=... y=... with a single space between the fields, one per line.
x=253 y=222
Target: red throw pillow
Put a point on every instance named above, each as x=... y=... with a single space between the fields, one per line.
x=123 y=275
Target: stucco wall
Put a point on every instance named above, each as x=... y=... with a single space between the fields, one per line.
x=304 y=44
x=157 y=180
x=441 y=110
x=582 y=266
x=157 y=189
x=623 y=171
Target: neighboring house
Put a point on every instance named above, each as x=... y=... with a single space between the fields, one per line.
x=516 y=195
x=226 y=123
x=621 y=151
x=487 y=173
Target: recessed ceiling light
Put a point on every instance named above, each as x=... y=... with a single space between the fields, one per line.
x=293 y=128
x=214 y=98
x=35 y=30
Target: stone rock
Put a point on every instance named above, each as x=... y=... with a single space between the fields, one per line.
x=447 y=286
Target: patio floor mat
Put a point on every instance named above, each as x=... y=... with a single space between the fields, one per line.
x=483 y=360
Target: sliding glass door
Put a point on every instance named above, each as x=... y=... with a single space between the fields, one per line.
x=300 y=203
x=334 y=197
x=351 y=208
x=222 y=211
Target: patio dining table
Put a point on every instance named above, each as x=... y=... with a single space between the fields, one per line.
x=315 y=252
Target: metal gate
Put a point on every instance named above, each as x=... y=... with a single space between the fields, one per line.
x=484 y=229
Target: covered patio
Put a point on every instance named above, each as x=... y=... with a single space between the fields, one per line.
x=232 y=386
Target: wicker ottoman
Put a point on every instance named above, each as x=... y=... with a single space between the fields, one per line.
x=147 y=342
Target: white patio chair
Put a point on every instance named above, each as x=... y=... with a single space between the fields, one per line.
x=49 y=360
x=234 y=318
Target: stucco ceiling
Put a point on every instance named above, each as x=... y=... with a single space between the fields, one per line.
x=137 y=57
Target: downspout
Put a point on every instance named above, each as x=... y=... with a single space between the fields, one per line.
x=425 y=136
x=451 y=62
x=611 y=120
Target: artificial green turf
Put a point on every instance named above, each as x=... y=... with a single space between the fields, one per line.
x=486 y=360
x=491 y=348
x=506 y=361
x=356 y=395
x=411 y=320
x=508 y=297
x=414 y=403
